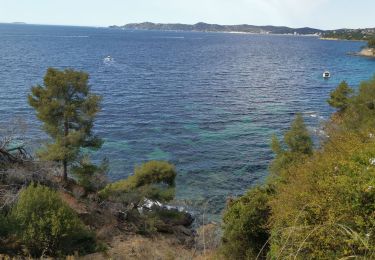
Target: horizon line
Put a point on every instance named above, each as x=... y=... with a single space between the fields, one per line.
x=107 y=26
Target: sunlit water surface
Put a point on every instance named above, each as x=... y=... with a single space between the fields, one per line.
x=208 y=102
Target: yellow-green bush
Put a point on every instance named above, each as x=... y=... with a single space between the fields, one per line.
x=47 y=226
x=153 y=180
x=326 y=208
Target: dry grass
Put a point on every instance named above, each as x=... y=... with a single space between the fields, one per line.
x=142 y=248
x=162 y=247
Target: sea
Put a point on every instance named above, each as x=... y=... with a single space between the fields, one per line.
x=207 y=102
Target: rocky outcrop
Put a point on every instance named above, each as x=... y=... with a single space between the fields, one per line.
x=367 y=52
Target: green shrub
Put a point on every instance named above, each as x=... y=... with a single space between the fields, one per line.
x=361 y=112
x=152 y=180
x=297 y=146
x=340 y=97
x=4 y=226
x=245 y=225
x=6 y=239
x=89 y=175
x=47 y=226
x=298 y=138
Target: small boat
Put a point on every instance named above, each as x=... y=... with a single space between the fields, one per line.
x=326 y=74
x=108 y=59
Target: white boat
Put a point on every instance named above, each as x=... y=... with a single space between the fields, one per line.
x=326 y=74
x=108 y=59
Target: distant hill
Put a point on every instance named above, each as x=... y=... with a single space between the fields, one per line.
x=205 y=27
x=350 y=34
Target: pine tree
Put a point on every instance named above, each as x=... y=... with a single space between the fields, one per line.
x=298 y=138
x=67 y=109
x=340 y=97
x=296 y=146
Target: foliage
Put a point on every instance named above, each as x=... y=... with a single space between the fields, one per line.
x=298 y=144
x=340 y=97
x=67 y=108
x=361 y=112
x=298 y=138
x=152 y=180
x=3 y=225
x=325 y=210
x=6 y=227
x=7 y=240
x=323 y=206
x=246 y=224
x=47 y=226
x=89 y=175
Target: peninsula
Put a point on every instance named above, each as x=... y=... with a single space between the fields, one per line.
x=350 y=34
x=205 y=27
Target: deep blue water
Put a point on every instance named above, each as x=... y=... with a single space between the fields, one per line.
x=208 y=102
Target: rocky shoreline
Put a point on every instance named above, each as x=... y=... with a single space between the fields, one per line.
x=367 y=52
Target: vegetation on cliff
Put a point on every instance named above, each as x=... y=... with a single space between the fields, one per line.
x=48 y=226
x=315 y=205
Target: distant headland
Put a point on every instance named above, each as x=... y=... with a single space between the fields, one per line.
x=205 y=27
x=367 y=34
x=350 y=34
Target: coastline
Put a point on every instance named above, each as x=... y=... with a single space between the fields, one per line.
x=251 y=33
x=367 y=52
x=224 y=32
x=339 y=39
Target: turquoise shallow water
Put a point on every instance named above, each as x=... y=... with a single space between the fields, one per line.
x=208 y=102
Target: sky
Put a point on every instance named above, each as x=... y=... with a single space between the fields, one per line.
x=322 y=14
